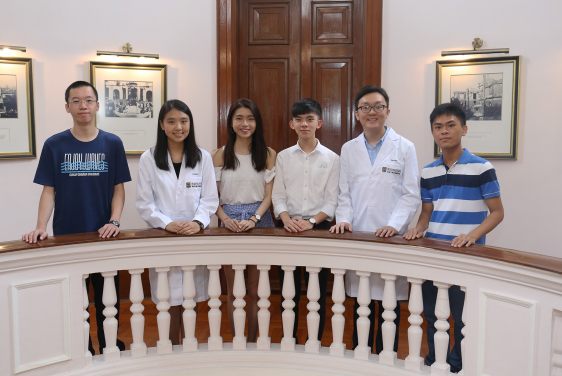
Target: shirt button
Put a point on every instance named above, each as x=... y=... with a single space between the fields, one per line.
x=306 y=172
x=306 y=185
x=371 y=175
x=305 y=199
x=370 y=199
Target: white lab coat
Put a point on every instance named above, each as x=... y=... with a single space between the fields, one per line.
x=384 y=194
x=163 y=198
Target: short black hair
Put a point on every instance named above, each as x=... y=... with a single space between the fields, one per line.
x=368 y=90
x=76 y=85
x=448 y=109
x=306 y=106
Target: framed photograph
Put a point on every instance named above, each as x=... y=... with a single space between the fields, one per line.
x=17 y=120
x=488 y=90
x=130 y=97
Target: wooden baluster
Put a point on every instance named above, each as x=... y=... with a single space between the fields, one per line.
x=338 y=321
x=164 y=345
x=441 y=338
x=136 y=295
x=388 y=355
x=215 y=339
x=463 y=331
x=111 y=352
x=189 y=315
x=288 y=291
x=86 y=303
x=264 y=291
x=415 y=333
x=313 y=318
x=362 y=351
x=239 y=315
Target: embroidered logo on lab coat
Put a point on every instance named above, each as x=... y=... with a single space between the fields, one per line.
x=193 y=185
x=322 y=166
x=389 y=170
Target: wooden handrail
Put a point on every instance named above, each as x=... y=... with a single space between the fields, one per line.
x=536 y=261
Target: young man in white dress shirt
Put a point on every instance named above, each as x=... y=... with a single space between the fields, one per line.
x=305 y=191
x=379 y=193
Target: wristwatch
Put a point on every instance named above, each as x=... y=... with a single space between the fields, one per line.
x=258 y=217
x=114 y=222
x=200 y=224
x=312 y=220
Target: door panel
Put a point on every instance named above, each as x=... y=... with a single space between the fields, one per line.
x=275 y=52
x=268 y=89
x=332 y=78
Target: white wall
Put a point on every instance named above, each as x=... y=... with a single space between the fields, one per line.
x=63 y=36
x=415 y=33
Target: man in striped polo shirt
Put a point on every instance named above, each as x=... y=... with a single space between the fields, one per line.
x=457 y=191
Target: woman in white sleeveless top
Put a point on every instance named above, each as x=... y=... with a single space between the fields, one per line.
x=244 y=169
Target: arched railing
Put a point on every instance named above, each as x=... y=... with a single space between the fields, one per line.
x=513 y=305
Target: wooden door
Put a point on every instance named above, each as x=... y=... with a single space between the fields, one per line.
x=275 y=52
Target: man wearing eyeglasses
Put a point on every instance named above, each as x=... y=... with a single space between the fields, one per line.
x=379 y=193
x=82 y=171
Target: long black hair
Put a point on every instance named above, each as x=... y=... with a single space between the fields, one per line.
x=257 y=148
x=191 y=151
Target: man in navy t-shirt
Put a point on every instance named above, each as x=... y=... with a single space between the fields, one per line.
x=82 y=171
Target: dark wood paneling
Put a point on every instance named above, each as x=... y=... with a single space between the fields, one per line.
x=332 y=87
x=332 y=23
x=269 y=24
x=300 y=32
x=227 y=46
x=268 y=88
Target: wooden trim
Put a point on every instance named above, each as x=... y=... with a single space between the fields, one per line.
x=227 y=14
x=541 y=262
x=372 y=47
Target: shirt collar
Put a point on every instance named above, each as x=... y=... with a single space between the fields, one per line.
x=318 y=145
x=379 y=142
x=463 y=159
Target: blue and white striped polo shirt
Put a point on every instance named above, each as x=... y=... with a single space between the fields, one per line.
x=458 y=195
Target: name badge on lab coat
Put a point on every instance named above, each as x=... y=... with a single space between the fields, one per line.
x=195 y=184
x=389 y=170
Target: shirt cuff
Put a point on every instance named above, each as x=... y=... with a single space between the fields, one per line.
x=279 y=208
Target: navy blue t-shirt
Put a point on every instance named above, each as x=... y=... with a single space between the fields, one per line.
x=84 y=175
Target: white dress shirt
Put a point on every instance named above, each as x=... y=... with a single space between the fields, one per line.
x=306 y=185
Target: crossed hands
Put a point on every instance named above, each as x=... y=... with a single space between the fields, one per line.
x=297 y=225
x=235 y=225
x=183 y=228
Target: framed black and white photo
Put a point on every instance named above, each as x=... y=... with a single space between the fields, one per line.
x=488 y=90
x=130 y=96
x=17 y=120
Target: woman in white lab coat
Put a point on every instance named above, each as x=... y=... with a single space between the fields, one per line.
x=176 y=191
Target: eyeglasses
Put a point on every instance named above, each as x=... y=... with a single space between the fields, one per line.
x=377 y=108
x=87 y=102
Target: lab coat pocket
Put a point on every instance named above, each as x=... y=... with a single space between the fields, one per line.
x=392 y=173
x=192 y=186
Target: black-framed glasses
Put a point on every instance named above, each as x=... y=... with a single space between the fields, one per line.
x=87 y=102
x=377 y=108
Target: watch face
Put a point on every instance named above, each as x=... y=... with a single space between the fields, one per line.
x=312 y=220
x=258 y=217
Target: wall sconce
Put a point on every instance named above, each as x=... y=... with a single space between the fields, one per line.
x=16 y=48
x=476 y=44
x=127 y=51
